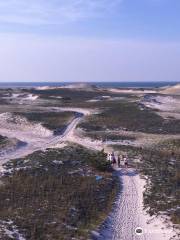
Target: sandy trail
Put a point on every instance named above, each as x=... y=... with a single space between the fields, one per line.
x=41 y=144
x=36 y=144
x=128 y=213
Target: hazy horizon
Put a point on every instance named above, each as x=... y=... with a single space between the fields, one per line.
x=90 y=81
x=93 y=40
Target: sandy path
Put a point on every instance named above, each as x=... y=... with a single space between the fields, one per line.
x=38 y=143
x=128 y=214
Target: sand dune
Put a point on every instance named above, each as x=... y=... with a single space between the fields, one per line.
x=174 y=90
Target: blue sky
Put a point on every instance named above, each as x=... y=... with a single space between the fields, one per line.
x=89 y=40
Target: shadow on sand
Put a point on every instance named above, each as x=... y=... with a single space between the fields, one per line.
x=127 y=172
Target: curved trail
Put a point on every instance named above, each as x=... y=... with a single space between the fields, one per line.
x=40 y=144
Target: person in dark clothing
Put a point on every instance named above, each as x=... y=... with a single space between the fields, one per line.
x=114 y=160
x=126 y=163
x=119 y=161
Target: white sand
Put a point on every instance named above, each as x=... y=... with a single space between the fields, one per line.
x=167 y=106
x=128 y=214
x=131 y=91
x=9 y=230
x=174 y=90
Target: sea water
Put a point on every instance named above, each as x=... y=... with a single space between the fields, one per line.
x=98 y=84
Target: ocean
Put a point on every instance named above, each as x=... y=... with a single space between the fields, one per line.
x=99 y=84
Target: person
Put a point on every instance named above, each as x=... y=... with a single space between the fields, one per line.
x=119 y=161
x=126 y=162
x=114 y=160
x=109 y=157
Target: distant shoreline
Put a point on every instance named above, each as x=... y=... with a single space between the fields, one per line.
x=98 y=84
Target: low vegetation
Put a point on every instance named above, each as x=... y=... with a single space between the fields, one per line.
x=57 y=194
x=108 y=136
x=3 y=141
x=129 y=116
x=161 y=165
x=55 y=121
x=163 y=189
x=69 y=94
x=77 y=98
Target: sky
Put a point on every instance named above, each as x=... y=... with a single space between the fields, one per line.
x=89 y=40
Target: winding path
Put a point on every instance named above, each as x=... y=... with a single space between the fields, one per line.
x=41 y=144
x=128 y=212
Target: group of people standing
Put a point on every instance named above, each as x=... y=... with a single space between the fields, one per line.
x=120 y=160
